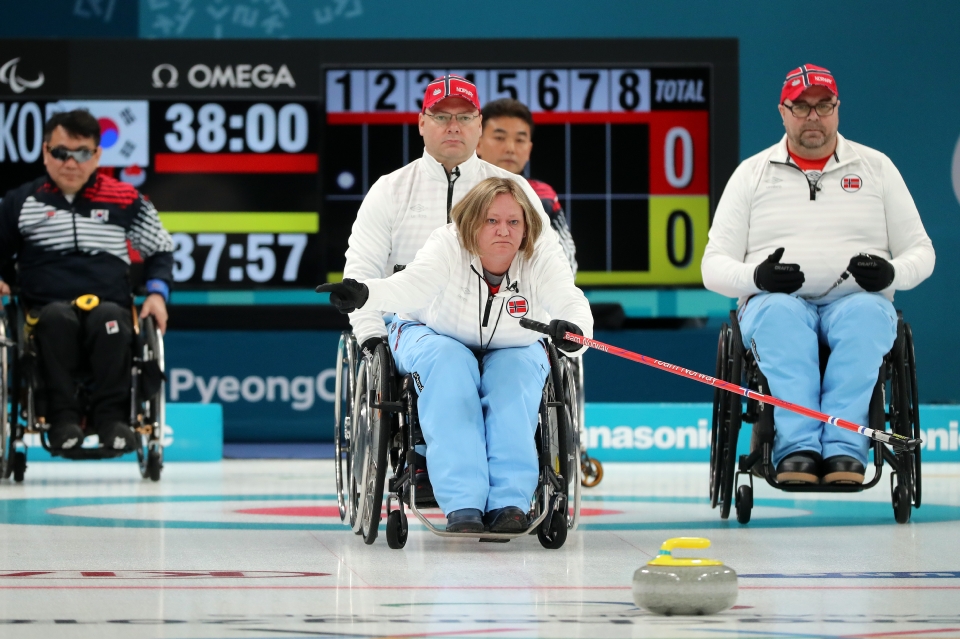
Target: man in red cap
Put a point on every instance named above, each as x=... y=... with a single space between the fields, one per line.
x=403 y=208
x=795 y=222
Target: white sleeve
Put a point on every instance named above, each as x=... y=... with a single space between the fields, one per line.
x=421 y=282
x=722 y=268
x=371 y=240
x=556 y=292
x=910 y=246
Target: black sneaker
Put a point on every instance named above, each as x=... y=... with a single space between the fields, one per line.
x=65 y=436
x=509 y=519
x=117 y=435
x=465 y=520
x=799 y=468
x=842 y=469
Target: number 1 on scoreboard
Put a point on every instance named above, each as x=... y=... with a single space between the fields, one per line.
x=346 y=91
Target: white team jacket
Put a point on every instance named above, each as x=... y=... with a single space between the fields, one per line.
x=400 y=212
x=444 y=288
x=860 y=204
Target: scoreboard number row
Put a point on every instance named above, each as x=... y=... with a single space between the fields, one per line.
x=543 y=90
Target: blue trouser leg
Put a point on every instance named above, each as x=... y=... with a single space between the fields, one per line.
x=511 y=387
x=859 y=329
x=782 y=330
x=451 y=415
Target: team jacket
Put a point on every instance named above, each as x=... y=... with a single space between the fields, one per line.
x=444 y=288
x=403 y=208
x=551 y=204
x=65 y=250
x=859 y=204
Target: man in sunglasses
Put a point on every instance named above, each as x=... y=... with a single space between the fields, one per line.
x=67 y=234
x=814 y=235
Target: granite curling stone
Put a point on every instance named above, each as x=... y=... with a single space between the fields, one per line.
x=671 y=585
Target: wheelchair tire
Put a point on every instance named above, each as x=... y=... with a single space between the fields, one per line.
x=377 y=425
x=6 y=435
x=552 y=533
x=727 y=458
x=719 y=414
x=19 y=465
x=914 y=413
x=150 y=451
x=744 y=503
x=396 y=531
x=901 y=503
x=591 y=471
x=346 y=383
x=154 y=465
x=571 y=408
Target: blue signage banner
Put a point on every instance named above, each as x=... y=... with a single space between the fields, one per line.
x=193 y=432
x=681 y=432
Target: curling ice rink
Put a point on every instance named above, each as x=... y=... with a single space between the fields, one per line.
x=252 y=549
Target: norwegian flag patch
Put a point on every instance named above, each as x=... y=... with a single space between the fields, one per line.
x=517 y=306
x=851 y=183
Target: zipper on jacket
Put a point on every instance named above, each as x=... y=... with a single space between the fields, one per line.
x=76 y=242
x=452 y=177
x=486 y=311
x=814 y=186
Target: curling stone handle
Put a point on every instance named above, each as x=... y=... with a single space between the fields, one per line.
x=696 y=543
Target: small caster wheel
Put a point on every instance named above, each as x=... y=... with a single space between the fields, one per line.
x=396 y=530
x=744 y=503
x=154 y=465
x=553 y=532
x=591 y=471
x=901 y=504
x=19 y=466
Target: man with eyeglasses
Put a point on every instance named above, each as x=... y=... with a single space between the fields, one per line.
x=403 y=208
x=814 y=235
x=67 y=235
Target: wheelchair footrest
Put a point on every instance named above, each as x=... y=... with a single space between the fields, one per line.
x=88 y=453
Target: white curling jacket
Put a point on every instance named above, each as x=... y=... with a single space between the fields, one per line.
x=403 y=208
x=860 y=204
x=444 y=288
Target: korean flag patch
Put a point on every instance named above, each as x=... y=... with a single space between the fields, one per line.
x=100 y=215
x=517 y=306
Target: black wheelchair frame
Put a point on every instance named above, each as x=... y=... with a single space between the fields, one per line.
x=897 y=380
x=21 y=385
x=376 y=420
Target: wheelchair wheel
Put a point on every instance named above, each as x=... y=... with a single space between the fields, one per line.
x=346 y=368
x=396 y=531
x=558 y=465
x=904 y=420
x=729 y=414
x=150 y=452
x=6 y=429
x=591 y=471
x=19 y=465
x=744 y=503
x=571 y=407
x=717 y=434
x=372 y=432
x=552 y=533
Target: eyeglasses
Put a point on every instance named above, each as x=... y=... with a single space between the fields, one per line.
x=802 y=109
x=63 y=154
x=443 y=119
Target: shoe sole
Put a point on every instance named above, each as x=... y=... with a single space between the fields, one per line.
x=465 y=527
x=797 y=478
x=843 y=478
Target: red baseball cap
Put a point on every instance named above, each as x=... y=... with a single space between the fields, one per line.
x=450 y=86
x=805 y=76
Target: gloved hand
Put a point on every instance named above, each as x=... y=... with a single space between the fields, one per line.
x=347 y=296
x=773 y=277
x=872 y=272
x=370 y=344
x=559 y=328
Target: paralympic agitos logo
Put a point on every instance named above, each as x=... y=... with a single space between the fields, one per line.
x=9 y=76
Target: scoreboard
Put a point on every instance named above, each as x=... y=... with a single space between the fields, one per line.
x=257 y=154
x=627 y=150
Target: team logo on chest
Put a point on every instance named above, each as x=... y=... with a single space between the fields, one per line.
x=851 y=183
x=100 y=215
x=517 y=306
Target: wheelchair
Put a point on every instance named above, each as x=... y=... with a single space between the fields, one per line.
x=894 y=405
x=591 y=470
x=376 y=421
x=22 y=403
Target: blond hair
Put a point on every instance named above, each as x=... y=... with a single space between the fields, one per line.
x=470 y=212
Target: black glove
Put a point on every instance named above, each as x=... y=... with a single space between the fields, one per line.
x=773 y=277
x=370 y=344
x=347 y=296
x=559 y=328
x=872 y=272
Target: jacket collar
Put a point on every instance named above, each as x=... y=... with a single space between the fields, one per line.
x=53 y=188
x=468 y=168
x=511 y=279
x=844 y=154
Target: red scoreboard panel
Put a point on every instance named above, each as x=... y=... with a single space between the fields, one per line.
x=627 y=149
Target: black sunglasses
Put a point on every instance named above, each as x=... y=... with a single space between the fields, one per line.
x=62 y=153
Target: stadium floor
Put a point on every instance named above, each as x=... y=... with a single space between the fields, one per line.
x=252 y=549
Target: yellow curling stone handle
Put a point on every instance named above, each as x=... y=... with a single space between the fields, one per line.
x=666 y=558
